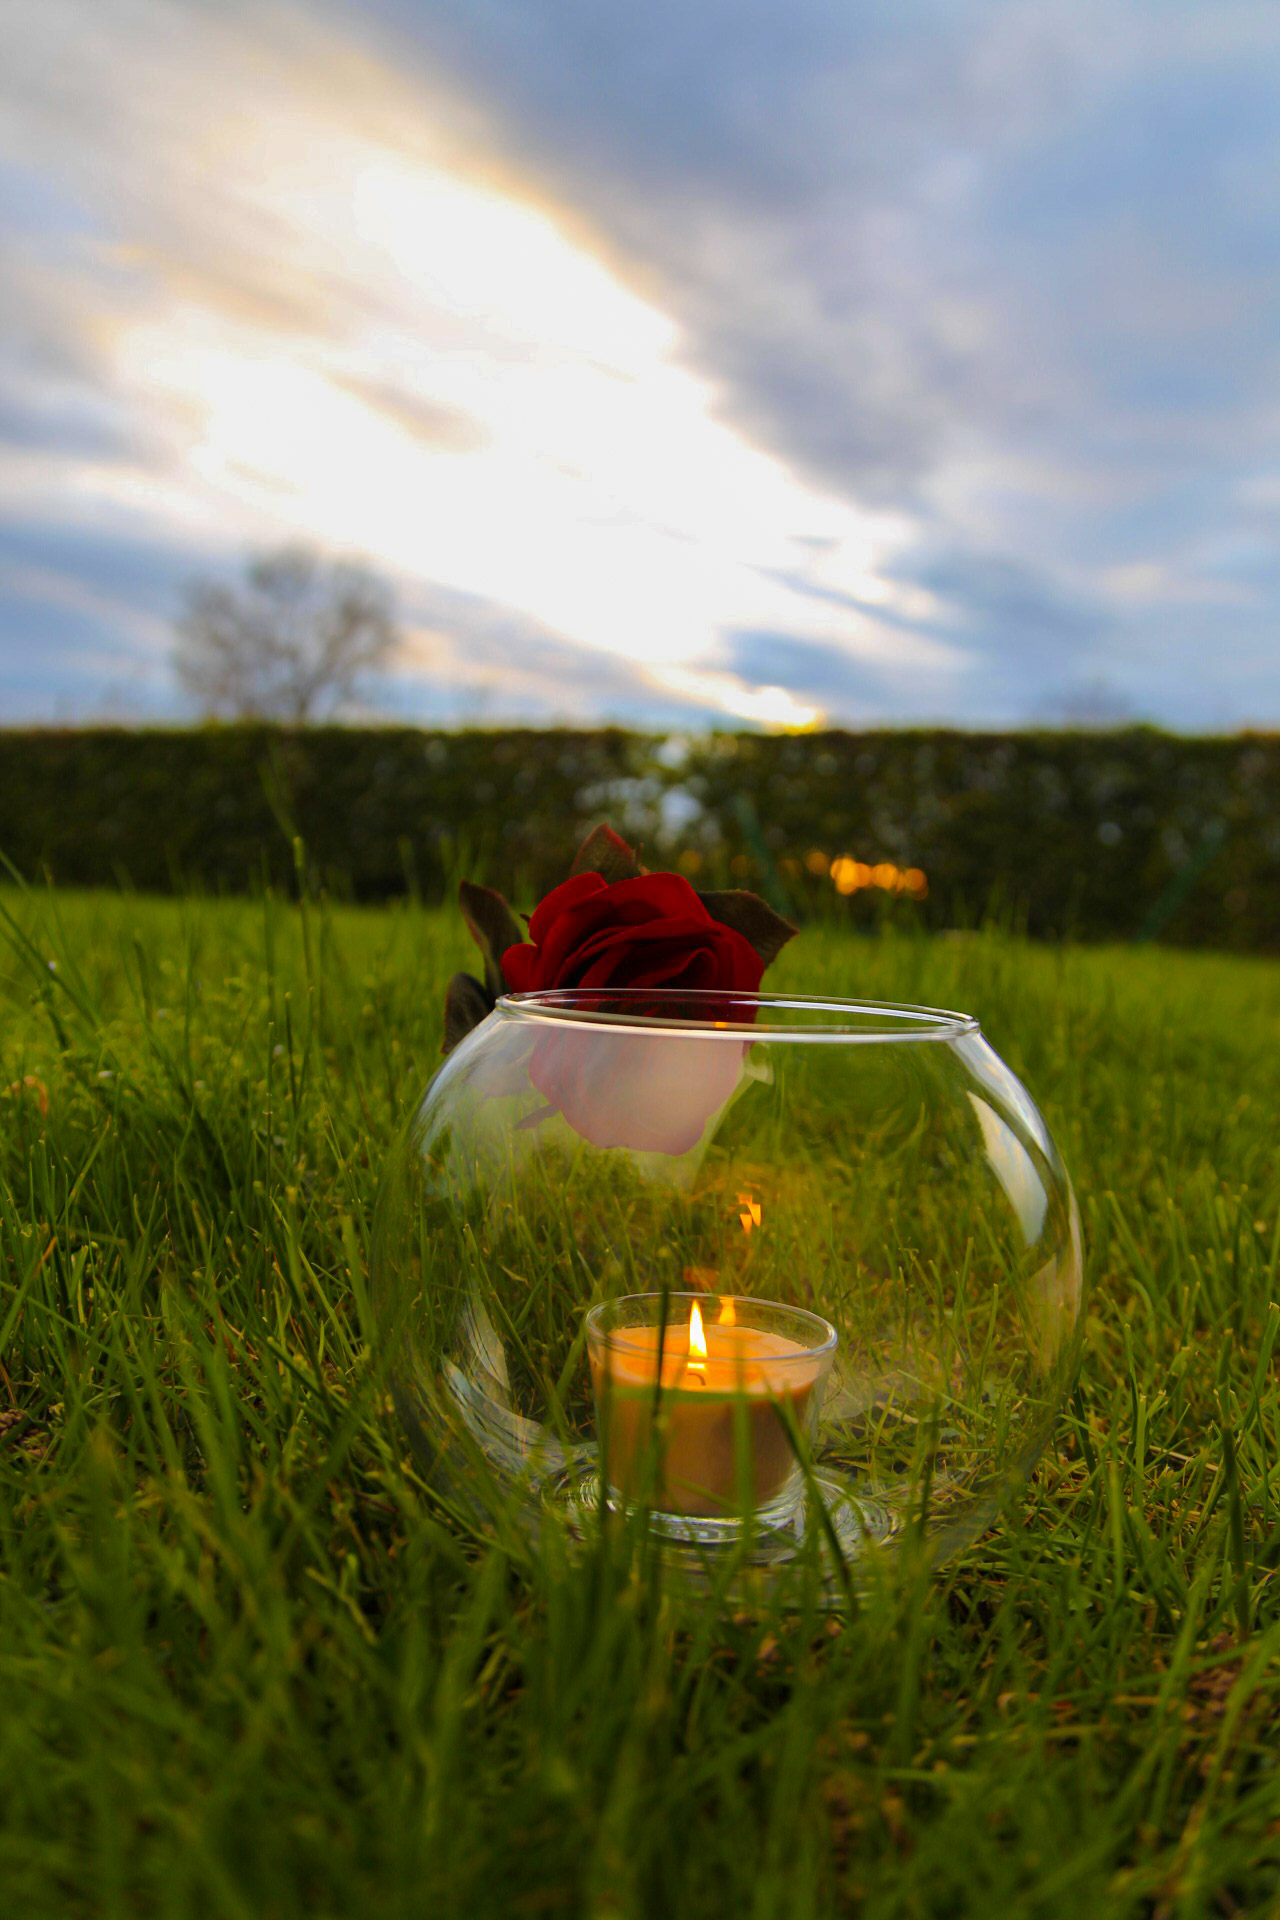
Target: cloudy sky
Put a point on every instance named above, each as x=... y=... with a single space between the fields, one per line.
x=700 y=360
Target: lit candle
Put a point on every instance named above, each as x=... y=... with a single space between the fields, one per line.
x=698 y=1415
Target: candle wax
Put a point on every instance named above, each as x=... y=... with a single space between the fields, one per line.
x=719 y=1434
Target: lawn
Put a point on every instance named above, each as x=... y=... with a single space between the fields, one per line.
x=250 y=1665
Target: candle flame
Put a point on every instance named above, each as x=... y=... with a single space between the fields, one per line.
x=697 y=1338
x=728 y=1312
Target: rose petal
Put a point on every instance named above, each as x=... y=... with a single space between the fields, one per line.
x=667 y=894
x=568 y=894
x=520 y=967
x=625 y=966
x=628 y=939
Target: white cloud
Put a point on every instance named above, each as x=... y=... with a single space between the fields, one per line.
x=295 y=283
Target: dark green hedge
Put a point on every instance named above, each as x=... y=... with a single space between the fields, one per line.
x=377 y=810
x=1108 y=835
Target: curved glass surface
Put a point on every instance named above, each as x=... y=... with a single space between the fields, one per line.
x=876 y=1165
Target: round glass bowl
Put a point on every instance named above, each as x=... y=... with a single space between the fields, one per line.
x=872 y=1171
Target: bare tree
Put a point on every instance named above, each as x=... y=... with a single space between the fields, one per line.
x=289 y=643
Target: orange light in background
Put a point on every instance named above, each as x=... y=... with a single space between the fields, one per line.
x=752 y=1214
x=850 y=876
x=728 y=1312
x=816 y=861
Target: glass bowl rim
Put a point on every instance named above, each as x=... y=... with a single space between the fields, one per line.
x=851 y=1022
x=614 y=1338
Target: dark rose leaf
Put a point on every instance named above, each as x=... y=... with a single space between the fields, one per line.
x=466 y=1004
x=493 y=927
x=753 y=918
x=606 y=853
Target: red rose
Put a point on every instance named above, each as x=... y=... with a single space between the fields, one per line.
x=652 y=931
x=650 y=1091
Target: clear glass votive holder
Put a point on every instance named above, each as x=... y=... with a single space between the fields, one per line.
x=705 y=1405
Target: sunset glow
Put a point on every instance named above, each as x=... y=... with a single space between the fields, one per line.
x=475 y=402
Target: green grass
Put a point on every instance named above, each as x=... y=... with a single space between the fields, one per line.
x=250 y=1666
